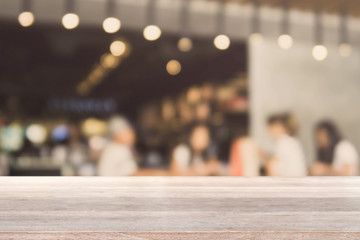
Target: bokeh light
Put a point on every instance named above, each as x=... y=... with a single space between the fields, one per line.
x=11 y=137
x=345 y=49
x=60 y=133
x=108 y=60
x=117 y=48
x=93 y=126
x=152 y=32
x=26 y=19
x=111 y=25
x=222 y=42
x=173 y=67
x=285 y=41
x=193 y=95
x=184 y=44
x=70 y=20
x=319 y=52
x=36 y=133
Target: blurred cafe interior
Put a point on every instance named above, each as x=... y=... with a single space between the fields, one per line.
x=179 y=87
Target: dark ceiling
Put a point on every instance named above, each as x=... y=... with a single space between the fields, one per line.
x=328 y=6
x=40 y=63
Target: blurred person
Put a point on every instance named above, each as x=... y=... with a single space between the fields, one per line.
x=197 y=158
x=118 y=158
x=244 y=156
x=220 y=130
x=335 y=155
x=288 y=159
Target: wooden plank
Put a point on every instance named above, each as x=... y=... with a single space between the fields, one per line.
x=179 y=235
x=188 y=207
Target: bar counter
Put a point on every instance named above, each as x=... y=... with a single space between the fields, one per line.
x=179 y=208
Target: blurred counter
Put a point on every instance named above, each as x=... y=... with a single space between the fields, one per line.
x=179 y=208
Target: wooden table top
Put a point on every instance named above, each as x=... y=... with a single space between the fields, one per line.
x=179 y=208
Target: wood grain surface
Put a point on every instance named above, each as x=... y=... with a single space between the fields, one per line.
x=179 y=208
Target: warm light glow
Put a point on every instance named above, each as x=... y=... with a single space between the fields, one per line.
x=256 y=38
x=117 y=48
x=111 y=25
x=184 y=44
x=83 y=88
x=345 y=49
x=26 y=19
x=109 y=61
x=70 y=20
x=222 y=42
x=285 y=41
x=193 y=95
x=173 y=67
x=319 y=52
x=93 y=126
x=36 y=133
x=152 y=32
